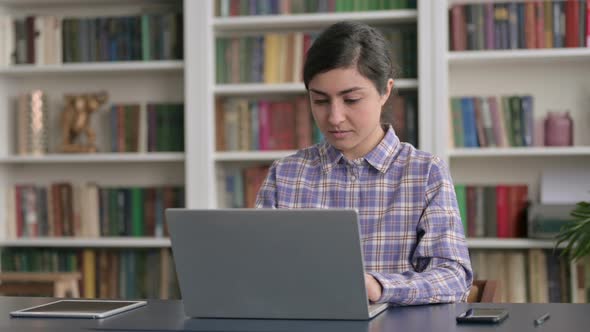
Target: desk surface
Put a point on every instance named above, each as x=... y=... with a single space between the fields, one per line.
x=169 y=316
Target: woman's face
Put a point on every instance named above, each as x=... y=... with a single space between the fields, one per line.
x=347 y=108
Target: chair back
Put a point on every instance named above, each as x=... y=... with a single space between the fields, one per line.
x=487 y=291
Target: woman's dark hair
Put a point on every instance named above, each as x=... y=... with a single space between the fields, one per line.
x=347 y=44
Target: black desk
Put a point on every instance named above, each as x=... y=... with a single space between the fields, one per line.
x=169 y=316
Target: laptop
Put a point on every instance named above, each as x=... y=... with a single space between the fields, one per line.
x=270 y=263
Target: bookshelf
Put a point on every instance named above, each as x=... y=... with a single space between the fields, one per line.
x=308 y=22
x=81 y=242
x=312 y=20
x=548 y=56
x=94 y=68
x=556 y=78
x=245 y=89
x=137 y=81
x=128 y=157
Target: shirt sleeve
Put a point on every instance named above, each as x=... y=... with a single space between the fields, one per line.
x=442 y=269
x=267 y=194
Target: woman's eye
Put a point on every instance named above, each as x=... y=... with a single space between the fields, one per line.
x=320 y=101
x=351 y=101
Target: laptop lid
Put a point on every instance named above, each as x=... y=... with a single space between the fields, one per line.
x=269 y=263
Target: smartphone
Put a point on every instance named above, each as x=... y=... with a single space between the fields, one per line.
x=483 y=315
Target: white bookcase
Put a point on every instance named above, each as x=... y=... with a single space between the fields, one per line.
x=125 y=82
x=556 y=78
x=235 y=26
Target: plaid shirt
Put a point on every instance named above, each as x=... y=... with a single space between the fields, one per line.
x=411 y=231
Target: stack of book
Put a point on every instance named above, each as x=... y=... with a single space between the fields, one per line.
x=44 y=40
x=492 y=122
x=534 y=275
x=155 y=127
x=238 y=187
x=113 y=274
x=493 y=211
x=64 y=209
x=520 y=25
x=226 y=8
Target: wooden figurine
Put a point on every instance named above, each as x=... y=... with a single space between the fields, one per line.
x=75 y=121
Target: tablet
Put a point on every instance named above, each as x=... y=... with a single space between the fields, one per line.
x=79 y=308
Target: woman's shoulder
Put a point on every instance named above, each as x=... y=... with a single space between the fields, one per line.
x=409 y=154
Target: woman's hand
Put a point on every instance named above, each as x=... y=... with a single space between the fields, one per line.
x=373 y=288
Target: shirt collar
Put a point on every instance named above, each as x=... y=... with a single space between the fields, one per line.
x=380 y=157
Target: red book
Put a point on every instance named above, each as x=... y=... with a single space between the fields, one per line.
x=530 y=25
x=254 y=176
x=572 y=18
x=150 y=211
x=502 y=212
x=303 y=122
x=520 y=195
x=234 y=8
x=282 y=126
x=458 y=28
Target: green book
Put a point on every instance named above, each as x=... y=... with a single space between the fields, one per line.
x=461 y=193
x=220 y=67
x=137 y=220
x=145 y=37
x=507 y=120
x=458 y=130
x=516 y=113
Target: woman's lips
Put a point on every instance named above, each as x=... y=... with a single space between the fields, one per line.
x=340 y=134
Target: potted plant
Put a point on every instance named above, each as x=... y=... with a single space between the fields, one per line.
x=576 y=234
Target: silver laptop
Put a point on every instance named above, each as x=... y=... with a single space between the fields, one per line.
x=270 y=263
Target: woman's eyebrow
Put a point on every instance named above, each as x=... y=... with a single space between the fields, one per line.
x=343 y=92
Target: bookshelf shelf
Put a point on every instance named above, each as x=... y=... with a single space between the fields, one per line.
x=138 y=242
x=79 y=242
x=95 y=158
x=562 y=54
x=496 y=243
x=252 y=155
x=95 y=68
x=314 y=20
x=583 y=151
x=282 y=88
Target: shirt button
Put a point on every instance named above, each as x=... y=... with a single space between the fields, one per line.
x=353 y=178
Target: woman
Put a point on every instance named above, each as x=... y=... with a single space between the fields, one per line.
x=412 y=237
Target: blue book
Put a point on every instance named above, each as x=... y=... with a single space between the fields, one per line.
x=527 y=120
x=469 y=124
x=513 y=25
